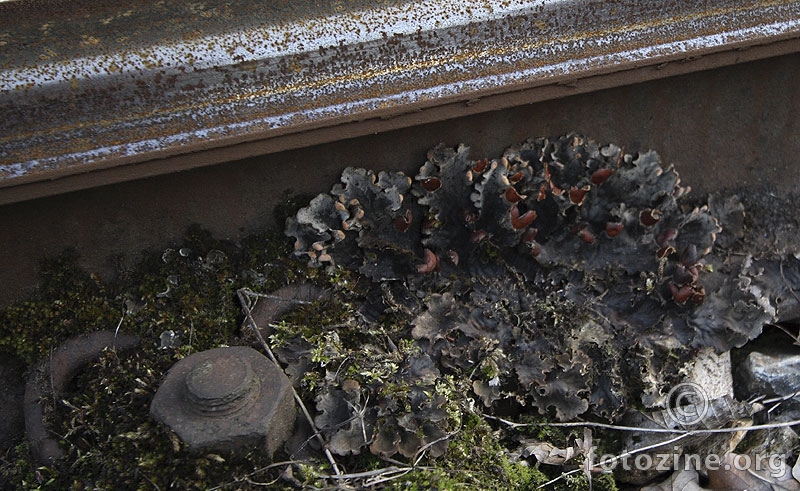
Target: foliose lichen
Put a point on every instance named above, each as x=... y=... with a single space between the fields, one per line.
x=566 y=275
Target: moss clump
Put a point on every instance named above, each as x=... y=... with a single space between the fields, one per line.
x=477 y=442
x=69 y=302
x=579 y=482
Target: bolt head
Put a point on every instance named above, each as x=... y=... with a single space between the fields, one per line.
x=226 y=398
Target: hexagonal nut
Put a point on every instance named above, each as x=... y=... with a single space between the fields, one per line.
x=226 y=398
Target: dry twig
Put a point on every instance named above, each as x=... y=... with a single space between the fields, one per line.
x=699 y=431
x=244 y=296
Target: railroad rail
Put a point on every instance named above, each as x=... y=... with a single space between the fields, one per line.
x=100 y=92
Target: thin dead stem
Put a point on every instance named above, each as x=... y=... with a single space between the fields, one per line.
x=119 y=324
x=244 y=297
x=795 y=337
x=421 y=452
x=247 y=477
x=250 y=293
x=625 y=455
x=701 y=431
x=191 y=335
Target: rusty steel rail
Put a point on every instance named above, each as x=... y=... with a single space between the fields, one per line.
x=99 y=92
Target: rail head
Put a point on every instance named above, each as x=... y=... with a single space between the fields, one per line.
x=99 y=92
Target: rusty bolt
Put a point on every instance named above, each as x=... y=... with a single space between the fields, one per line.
x=226 y=398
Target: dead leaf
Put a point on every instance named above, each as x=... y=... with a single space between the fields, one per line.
x=546 y=453
x=586 y=449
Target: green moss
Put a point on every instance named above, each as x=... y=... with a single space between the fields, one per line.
x=579 y=482
x=310 y=322
x=69 y=302
x=475 y=459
